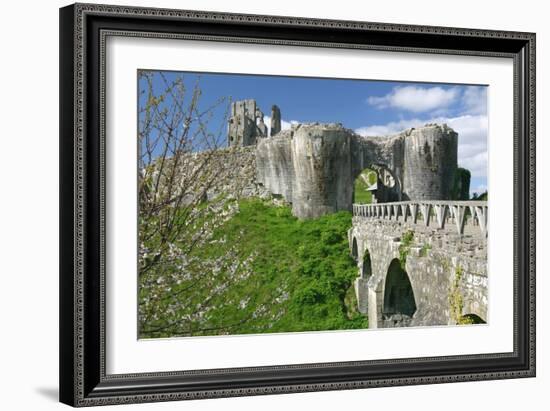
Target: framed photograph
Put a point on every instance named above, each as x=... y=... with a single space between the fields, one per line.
x=262 y=204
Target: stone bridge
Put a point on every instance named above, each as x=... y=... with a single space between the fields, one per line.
x=421 y=263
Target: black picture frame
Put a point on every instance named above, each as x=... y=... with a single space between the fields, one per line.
x=83 y=29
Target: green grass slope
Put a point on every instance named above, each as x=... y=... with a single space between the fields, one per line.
x=299 y=275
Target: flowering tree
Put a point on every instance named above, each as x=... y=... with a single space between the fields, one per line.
x=180 y=206
x=217 y=253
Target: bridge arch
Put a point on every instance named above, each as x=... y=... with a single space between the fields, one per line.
x=398 y=292
x=471 y=318
x=354 y=249
x=366 y=268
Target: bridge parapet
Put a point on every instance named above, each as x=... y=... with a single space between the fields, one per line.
x=420 y=212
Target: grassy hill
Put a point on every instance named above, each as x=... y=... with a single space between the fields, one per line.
x=285 y=275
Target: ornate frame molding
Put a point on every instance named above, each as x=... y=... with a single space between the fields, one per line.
x=83 y=33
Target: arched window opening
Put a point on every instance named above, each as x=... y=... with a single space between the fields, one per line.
x=376 y=184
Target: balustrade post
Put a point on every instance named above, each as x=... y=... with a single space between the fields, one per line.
x=459 y=213
x=472 y=215
x=396 y=211
x=414 y=212
x=425 y=210
x=481 y=213
x=445 y=211
x=404 y=208
x=440 y=214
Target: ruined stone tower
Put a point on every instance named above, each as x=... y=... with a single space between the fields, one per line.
x=323 y=182
x=430 y=162
x=246 y=124
x=275 y=120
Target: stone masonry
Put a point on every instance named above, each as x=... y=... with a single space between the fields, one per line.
x=417 y=275
x=314 y=166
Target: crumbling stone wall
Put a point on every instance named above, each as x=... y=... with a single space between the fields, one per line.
x=229 y=171
x=236 y=174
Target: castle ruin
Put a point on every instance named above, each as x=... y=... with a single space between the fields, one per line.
x=421 y=254
x=246 y=124
x=314 y=166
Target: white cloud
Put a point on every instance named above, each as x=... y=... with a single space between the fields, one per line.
x=477 y=164
x=416 y=99
x=393 y=127
x=285 y=125
x=472 y=137
x=474 y=100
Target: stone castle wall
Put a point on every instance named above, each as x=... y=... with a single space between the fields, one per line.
x=274 y=165
x=230 y=172
x=314 y=166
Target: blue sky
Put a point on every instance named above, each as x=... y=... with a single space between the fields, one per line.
x=368 y=107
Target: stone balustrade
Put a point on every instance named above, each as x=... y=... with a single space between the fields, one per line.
x=421 y=212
